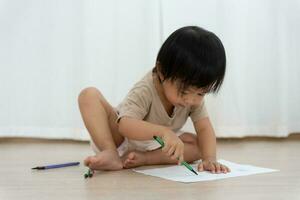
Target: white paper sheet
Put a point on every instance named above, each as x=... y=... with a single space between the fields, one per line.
x=182 y=174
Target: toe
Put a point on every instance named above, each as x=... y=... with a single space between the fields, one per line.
x=126 y=162
x=131 y=161
x=87 y=161
x=131 y=156
x=94 y=159
x=126 y=165
x=95 y=162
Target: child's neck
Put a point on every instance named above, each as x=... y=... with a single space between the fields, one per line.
x=158 y=86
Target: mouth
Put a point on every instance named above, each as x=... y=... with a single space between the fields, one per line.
x=180 y=105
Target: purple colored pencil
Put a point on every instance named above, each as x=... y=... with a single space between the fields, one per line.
x=56 y=166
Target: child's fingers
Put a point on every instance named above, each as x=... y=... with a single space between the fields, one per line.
x=211 y=168
x=226 y=168
x=175 y=156
x=180 y=159
x=217 y=167
x=223 y=169
x=200 y=167
x=171 y=151
x=166 y=148
x=179 y=152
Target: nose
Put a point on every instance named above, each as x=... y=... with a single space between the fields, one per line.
x=192 y=100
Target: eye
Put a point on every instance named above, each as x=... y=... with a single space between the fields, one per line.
x=184 y=93
x=201 y=94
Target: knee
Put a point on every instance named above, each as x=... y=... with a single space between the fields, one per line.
x=88 y=94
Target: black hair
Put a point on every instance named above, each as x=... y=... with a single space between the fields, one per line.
x=194 y=57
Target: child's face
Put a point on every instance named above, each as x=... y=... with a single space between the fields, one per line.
x=190 y=97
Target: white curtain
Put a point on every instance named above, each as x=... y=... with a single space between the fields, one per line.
x=50 y=50
x=261 y=92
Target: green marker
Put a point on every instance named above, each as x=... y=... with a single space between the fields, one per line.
x=161 y=142
x=89 y=174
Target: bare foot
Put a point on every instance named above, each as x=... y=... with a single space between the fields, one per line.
x=105 y=160
x=134 y=159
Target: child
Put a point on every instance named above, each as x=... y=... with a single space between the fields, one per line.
x=190 y=64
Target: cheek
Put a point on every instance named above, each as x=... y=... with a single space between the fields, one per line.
x=199 y=100
x=172 y=96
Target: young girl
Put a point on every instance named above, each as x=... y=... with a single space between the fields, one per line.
x=190 y=64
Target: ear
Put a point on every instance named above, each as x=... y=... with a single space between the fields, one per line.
x=158 y=71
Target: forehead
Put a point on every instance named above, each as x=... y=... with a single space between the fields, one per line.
x=177 y=84
x=195 y=89
x=192 y=89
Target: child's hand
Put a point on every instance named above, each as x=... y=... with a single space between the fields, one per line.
x=212 y=166
x=174 y=147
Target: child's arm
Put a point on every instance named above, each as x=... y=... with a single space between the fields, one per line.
x=207 y=143
x=142 y=130
x=206 y=139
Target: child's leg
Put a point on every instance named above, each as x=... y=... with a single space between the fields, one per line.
x=99 y=118
x=156 y=157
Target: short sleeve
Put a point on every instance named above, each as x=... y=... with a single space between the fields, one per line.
x=198 y=112
x=136 y=104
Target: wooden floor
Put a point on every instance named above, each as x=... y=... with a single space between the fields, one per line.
x=18 y=181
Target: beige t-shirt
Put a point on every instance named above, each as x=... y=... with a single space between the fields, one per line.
x=143 y=103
